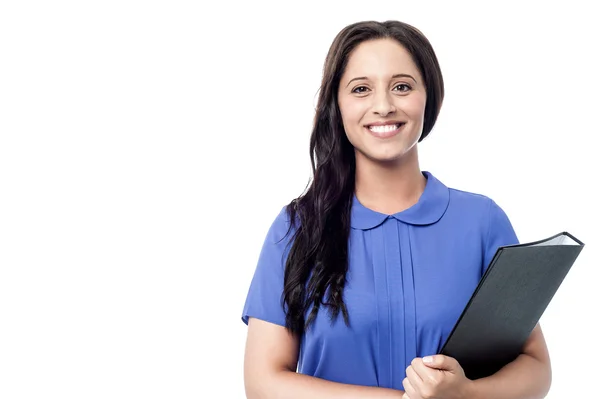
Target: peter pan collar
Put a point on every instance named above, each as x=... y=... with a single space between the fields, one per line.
x=429 y=209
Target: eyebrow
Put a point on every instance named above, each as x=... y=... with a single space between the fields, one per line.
x=398 y=75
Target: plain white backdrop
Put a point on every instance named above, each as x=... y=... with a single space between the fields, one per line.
x=145 y=148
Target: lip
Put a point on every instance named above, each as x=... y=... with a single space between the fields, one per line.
x=384 y=123
x=385 y=135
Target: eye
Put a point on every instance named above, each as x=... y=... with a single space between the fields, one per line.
x=403 y=88
x=408 y=88
x=355 y=90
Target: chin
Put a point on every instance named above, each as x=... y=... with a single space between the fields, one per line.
x=389 y=153
x=387 y=157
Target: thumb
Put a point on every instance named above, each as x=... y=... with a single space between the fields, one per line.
x=440 y=362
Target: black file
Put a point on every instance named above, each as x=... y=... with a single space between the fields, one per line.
x=510 y=299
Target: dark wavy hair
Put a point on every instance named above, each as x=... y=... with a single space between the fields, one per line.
x=316 y=266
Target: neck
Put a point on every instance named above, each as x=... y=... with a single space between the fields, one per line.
x=389 y=187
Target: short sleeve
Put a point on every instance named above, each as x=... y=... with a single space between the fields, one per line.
x=264 y=298
x=500 y=232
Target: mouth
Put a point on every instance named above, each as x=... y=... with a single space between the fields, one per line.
x=386 y=130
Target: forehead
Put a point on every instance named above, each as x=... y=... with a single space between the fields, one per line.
x=379 y=58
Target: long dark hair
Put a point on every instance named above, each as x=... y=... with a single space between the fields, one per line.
x=315 y=272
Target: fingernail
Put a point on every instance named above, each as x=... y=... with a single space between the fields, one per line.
x=428 y=359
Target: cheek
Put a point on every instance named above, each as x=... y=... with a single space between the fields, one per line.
x=415 y=107
x=352 y=113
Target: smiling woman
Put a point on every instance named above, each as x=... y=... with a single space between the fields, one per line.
x=361 y=279
x=371 y=90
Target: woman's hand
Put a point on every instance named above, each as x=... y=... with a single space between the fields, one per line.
x=436 y=377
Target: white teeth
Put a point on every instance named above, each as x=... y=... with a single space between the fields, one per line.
x=384 y=128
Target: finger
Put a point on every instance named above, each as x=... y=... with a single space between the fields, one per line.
x=429 y=376
x=420 y=370
x=414 y=378
x=409 y=389
x=441 y=362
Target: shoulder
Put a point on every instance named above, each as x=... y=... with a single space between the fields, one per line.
x=474 y=208
x=281 y=226
x=477 y=209
x=472 y=202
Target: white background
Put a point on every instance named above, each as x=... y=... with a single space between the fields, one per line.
x=145 y=148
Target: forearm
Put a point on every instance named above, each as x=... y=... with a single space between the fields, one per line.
x=292 y=385
x=524 y=378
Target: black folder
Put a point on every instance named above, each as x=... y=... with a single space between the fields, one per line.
x=510 y=299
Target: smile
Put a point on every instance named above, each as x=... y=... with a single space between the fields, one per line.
x=385 y=131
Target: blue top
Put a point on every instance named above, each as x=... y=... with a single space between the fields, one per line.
x=410 y=275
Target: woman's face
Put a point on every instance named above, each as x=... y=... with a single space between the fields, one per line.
x=382 y=101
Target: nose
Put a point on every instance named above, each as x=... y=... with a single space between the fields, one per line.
x=382 y=104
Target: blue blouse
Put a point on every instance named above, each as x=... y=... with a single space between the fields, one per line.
x=409 y=277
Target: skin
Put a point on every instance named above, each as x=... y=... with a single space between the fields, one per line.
x=381 y=97
x=388 y=180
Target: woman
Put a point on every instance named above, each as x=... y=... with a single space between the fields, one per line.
x=351 y=298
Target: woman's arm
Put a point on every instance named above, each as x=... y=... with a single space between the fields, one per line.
x=529 y=376
x=270 y=370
